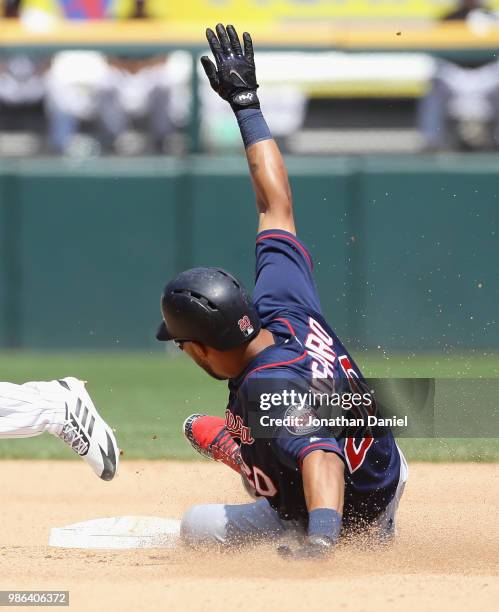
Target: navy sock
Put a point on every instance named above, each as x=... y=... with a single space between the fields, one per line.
x=326 y=522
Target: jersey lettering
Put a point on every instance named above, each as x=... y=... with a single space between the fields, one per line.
x=235 y=425
x=318 y=344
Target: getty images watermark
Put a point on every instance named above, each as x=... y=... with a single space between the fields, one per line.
x=303 y=411
x=409 y=407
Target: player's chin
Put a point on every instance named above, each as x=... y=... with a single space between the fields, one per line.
x=217 y=376
x=207 y=368
x=213 y=374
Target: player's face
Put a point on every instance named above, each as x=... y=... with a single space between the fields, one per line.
x=200 y=356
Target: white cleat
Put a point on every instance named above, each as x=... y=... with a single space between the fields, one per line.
x=86 y=432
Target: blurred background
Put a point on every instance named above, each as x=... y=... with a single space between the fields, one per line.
x=119 y=167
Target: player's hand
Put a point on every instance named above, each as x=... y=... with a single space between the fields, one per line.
x=233 y=77
x=314 y=547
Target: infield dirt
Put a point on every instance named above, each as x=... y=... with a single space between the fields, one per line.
x=446 y=556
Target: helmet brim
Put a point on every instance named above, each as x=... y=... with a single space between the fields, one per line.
x=163 y=335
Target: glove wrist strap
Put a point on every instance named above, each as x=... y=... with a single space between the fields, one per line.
x=245 y=99
x=253 y=126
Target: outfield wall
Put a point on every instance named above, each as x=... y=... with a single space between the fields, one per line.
x=406 y=249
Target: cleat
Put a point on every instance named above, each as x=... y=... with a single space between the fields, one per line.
x=86 y=432
x=208 y=435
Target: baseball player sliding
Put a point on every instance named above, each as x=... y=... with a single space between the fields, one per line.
x=63 y=408
x=316 y=485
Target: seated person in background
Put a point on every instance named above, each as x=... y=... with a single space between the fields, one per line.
x=135 y=90
x=115 y=94
x=461 y=109
x=21 y=95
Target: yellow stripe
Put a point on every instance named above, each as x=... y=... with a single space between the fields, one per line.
x=364 y=90
x=444 y=36
x=265 y=11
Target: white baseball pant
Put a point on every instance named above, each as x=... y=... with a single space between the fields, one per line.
x=31 y=409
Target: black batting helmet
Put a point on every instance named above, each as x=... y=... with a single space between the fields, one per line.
x=209 y=306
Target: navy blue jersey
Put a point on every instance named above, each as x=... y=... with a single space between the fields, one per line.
x=306 y=353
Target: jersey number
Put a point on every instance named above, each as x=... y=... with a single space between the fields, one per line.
x=354 y=454
x=259 y=480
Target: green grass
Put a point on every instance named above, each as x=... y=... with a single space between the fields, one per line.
x=147 y=396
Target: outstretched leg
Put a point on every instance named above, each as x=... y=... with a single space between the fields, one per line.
x=64 y=409
x=233 y=525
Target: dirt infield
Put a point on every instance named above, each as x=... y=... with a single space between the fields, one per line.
x=446 y=556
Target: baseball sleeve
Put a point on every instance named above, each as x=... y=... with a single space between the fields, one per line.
x=296 y=448
x=284 y=277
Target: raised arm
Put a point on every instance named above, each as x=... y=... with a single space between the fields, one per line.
x=234 y=79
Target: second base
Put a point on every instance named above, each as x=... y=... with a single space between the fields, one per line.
x=119 y=532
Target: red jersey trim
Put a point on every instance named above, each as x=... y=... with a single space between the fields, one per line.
x=287 y=324
x=317 y=446
x=276 y=364
x=291 y=239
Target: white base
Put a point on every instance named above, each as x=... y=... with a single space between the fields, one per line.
x=119 y=532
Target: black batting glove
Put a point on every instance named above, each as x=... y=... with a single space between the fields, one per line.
x=233 y=78
x=315 y=547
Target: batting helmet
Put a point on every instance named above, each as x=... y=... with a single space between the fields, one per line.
x=209 y=306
